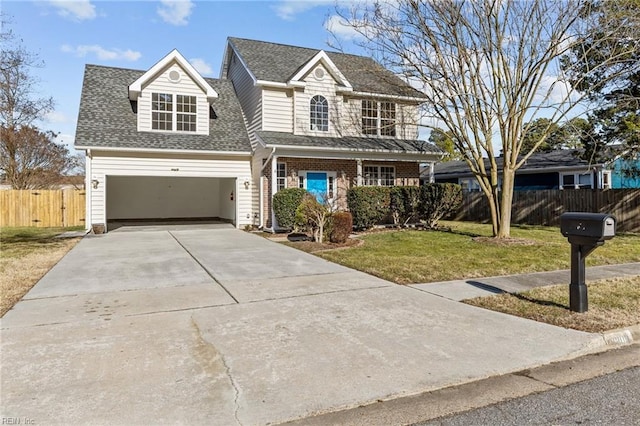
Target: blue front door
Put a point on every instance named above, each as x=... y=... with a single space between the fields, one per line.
x=317 y=185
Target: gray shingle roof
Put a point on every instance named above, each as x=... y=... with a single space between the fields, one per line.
x=349 y=143
x=279 y=62
x=540 y=161
x=107 y=119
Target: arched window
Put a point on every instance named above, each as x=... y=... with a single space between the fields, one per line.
x=319 y=114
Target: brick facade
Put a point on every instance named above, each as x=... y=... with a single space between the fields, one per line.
x=406 y=173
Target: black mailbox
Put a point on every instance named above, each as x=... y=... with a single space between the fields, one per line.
x=585 y=232
x=587 y=226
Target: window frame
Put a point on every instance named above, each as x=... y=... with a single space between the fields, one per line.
x=281 y=180
x=318 y=114
x=175 y=111
x=381 y=113
x=576 y=180
x=378 y=178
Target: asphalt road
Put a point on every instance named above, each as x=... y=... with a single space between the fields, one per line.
x=613 y=399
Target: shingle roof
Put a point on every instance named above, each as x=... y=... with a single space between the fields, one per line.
x=278 y=63
x=107 y=117
x=561 y=158
x=349 y=143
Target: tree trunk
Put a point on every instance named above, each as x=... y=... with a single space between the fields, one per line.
x=504 y=228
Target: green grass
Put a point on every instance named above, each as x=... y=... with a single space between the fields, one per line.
x=613 y=303
x=20 y=241
x=426 y=256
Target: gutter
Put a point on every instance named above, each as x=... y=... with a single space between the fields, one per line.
x=164 y=151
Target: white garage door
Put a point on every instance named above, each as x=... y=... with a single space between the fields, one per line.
x=162 y=197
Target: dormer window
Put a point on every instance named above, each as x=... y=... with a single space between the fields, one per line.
x=378 y=118
x=319 y=113
x=165 y=117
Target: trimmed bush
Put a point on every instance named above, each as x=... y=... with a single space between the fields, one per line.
x=368 y=205
x=285 y=203
x=341 y=227
x=404 y=203
x=439 y=200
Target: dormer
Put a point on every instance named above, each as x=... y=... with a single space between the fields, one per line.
x=172 y=97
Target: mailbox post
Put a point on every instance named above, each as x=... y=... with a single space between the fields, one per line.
x=585 y=232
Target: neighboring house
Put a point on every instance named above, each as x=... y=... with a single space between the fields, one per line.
x=559 y=169
x=167 y=143
x=324 y=121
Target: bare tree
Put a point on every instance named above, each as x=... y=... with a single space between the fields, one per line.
x=30 y=159
x=486 y=67
x=19 y=105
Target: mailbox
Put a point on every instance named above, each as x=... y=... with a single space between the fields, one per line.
x=583 y=227
x=585 y=232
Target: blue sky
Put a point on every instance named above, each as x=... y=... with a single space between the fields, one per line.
x=136 y=34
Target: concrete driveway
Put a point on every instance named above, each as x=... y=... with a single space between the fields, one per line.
x=217 y=326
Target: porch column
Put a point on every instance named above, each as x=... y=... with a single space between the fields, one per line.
x=359 y=172
x=274 y=188
x=432 y=174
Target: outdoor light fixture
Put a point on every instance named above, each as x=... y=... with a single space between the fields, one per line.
x=94 y=183
x=246 y=183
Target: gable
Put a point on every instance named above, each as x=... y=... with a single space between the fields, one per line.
x=174 y=68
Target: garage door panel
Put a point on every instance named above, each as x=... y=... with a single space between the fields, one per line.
x=144 y=197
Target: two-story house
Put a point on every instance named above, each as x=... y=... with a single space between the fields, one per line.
x=166 y=143
x=324 y=121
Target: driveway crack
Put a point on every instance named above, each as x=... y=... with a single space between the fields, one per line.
x=203 y=267
x=210 y=354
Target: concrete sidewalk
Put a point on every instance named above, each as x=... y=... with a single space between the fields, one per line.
x=220 y=327
x=458 y=290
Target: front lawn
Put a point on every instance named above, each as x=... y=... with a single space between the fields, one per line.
x=26 y=254
x=409 y=256
x=613 y=303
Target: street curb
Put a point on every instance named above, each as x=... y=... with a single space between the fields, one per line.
x=622 y=336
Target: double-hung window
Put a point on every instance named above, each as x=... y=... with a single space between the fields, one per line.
x=378 y=118
x=379 y=175
x=281 y=176
x=319 y=113
x=173 y=112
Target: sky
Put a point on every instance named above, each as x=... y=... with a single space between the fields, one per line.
x=68 y=34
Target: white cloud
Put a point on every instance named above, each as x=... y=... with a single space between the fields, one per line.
x=337 y=26
x=287 y=9
x=102 y=53
x=201 y=66
x=175 y=12
x=75 y=9
x=56 y=117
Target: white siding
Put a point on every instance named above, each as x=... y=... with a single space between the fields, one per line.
x=277 y=109
x=249 y=96
x=327 y=88
x=185 y=86
x=114 y=164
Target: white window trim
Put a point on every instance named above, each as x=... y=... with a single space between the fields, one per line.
x=379 y=179
x=174 y=113
x=379 y=119
x=310 y=111
x=607 y=184
x=303 y=174
x=279 y=177
x=576 y=179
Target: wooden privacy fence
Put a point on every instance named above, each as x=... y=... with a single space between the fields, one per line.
x=545 y=207
x=42 y=208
